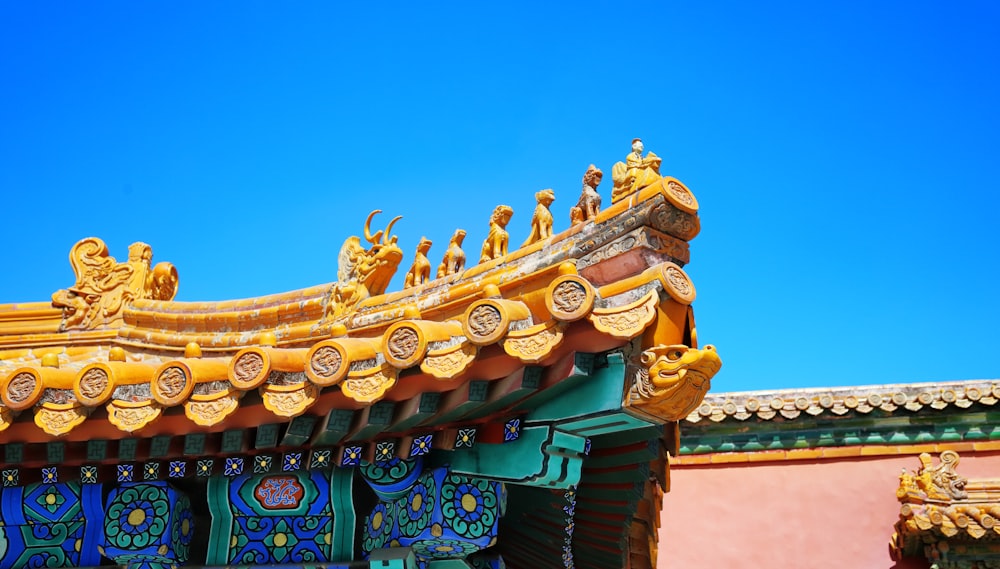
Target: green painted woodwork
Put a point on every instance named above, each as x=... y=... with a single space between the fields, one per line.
x=299 y=431
x=194 y=444
x=510 y=390
x=126 y=449
x=373 y=420
x=904 y=428
x=159 y=446
x=542 y=456
x=13 y=453
x=415 y=411
x=97 y=450
x=335 y=427
x=232 y=441
x=55 y=452
x=267 y=436
x=581 y=368
x=462 y=401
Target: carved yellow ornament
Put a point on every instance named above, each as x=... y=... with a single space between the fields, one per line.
x=628 y=321
x=672 y=382
x=635 y=173
x=449 y=362
x=58 y=419
x=129 y=416
x=361 y=272
x=370 y=385
x=208 y=410
x=535 y=343
x=104 y=286
x=289 y=400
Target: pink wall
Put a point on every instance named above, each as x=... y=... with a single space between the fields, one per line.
x=796 y=513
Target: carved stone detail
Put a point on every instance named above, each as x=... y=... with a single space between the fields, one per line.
x=59 y=420
x=569 y=296
x=21 y=387
x=370 y=387
x=403 y=343
x=484 y=320
x=326 y=362
x=171 y=382
x=104 y=286
x=94 y=383
x=672 y=381
x=447 y=364
x=131 y=418
x=654 y=242
x=289 y=403
x=681 y=196
x=677 y=283
x=248 y=369
x=627 y=321
x=208 y=413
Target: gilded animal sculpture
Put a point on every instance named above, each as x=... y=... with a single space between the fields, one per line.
x=590 y=201
x=454 y=257
x=674 y=380
x=635 y=173
x=104 y=286
x=541 y=221
x=361 y=272
x=420 y=271
x=495 y=245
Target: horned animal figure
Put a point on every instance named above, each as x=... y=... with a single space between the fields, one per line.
x=364 y=272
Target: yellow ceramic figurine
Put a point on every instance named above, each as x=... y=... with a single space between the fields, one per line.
x=420 y=272
x=635 y=173
x=454 y=258
x=541 y=221
x=590 y=201
x=495 y=245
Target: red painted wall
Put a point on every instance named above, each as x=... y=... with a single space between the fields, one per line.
x=796 y=513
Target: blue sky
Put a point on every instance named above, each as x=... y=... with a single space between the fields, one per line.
x=845 y=154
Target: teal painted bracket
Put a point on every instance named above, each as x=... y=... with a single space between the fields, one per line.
x=592 y=394
x=344 y=517
x=542 y=456
x=393 y=558
x=222 y=521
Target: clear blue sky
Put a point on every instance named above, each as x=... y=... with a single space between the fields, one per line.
x=845 y=154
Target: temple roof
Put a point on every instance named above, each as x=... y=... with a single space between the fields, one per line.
x=114 y=356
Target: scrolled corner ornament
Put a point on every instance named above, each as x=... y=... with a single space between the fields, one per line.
x=104 y=286
x=363 y=273
x=671 y=382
